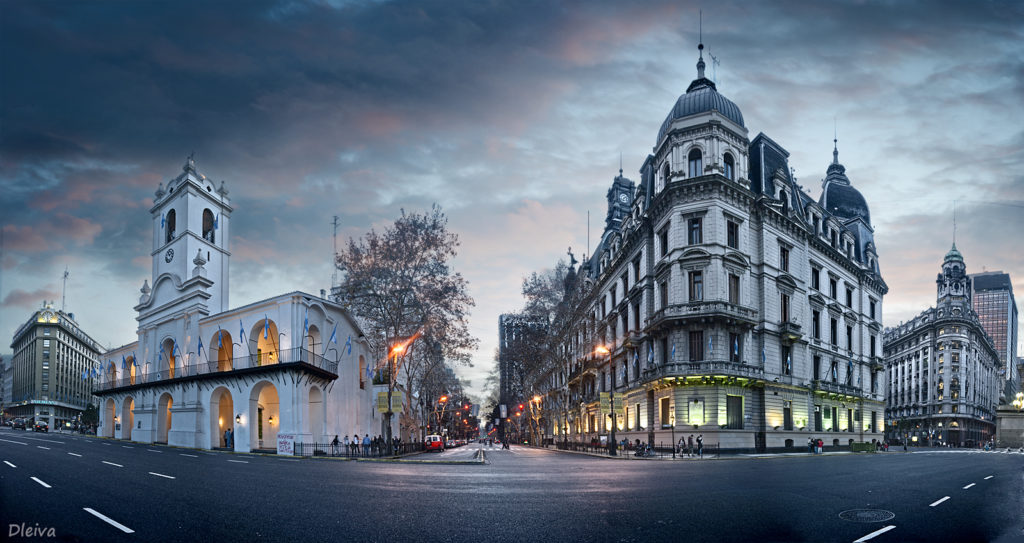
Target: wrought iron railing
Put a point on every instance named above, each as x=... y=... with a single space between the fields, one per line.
x=285 y=356
x=704 y=367
x=356 y=450
x=701 y=310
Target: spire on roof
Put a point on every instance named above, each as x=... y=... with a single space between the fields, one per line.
x=700 y=46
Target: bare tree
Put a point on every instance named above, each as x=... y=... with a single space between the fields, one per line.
x=400 y=284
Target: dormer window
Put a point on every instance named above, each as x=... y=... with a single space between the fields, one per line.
x=695 y=163
x=730 y=167
x=171 y=220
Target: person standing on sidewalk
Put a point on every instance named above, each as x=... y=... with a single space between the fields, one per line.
x=700 y=445
x=689 y=447
x=810 y=445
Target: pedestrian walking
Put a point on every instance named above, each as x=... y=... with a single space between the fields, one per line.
x=700 y=446
x=689 y=447
x=227 y=437
x=366 y=444
x=810 y=445
x=680 y=445
x=334 y=446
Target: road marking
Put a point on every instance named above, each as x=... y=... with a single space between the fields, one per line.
x=41 y=447
x=874 y=533
x=10 y=464
x=110 y=521
x=968 y=486
x=288 y=460
x=126 y=447
x=74 y=454
x=18 y=442
x=111 y=463
x=161 y=475
x=106 y=443
x=154 y=450
x=989 y=477
x=40 y=482
x=239 y=461
x=188 y=455
x=939 y=501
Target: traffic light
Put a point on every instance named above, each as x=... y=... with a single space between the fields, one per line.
x=520 y=407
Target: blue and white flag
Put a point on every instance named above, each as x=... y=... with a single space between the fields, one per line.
x=650 y=355
x=334 y=335
x=219 y=332
x=266 y=325
x=124 y=362
x=673 y=352
x=711 y=348
x=764 y=357
x=305 y=324
x=201 y=346
x=636 y=357
x=835 y=375
x=162 y=352
x=216 y=222
x=135 y=360
x=736 y=346
x=162 y=222
x=241 y=332
x=789 y=364
x=348 y=345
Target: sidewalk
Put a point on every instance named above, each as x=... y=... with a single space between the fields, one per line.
x=628 y=454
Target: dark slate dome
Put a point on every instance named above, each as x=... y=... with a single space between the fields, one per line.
x=701 y=97
x=839 y=198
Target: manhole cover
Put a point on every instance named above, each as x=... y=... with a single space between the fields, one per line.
x=866 y=515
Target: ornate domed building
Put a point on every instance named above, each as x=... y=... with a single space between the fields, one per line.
x=731 y=303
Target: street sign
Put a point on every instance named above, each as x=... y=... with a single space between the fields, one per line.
x=382 y=402
x=605 y=402
x=504 y=410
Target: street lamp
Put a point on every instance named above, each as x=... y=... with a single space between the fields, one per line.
x=601 y=349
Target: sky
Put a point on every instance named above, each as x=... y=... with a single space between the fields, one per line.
x=511 y=115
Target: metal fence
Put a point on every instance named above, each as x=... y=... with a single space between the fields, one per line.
x=255 y=360
x=355 y=450
x=659 y=450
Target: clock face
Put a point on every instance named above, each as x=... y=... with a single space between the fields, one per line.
x=623 y=197
x=169 y=256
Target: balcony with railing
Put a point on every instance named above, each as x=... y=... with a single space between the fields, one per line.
x=697 y=312
x=257 y=363
x=704 y=367
x=836 y=388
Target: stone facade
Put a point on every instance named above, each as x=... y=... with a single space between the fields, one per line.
x=942 y=369
x=706 y=294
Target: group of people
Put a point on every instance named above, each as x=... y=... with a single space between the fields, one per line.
x=229 y=438
x=689 y=447
x=366 y=446
x=815 y=446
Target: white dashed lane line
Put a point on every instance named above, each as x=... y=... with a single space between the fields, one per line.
x=10 y=464
x=161 y=475
x=112 y=464
x=989 y=477
x=75 y=454
x=239 y=461
x=188 y=455
x=875 y=533
x=937 y=502
x=15 y=442
x=41 y=447
x=109 y=521
x=968 y=486
x=40 y=482
x=154 y=450
x=126 y=447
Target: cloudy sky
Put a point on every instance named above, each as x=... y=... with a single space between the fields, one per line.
x=511 y=115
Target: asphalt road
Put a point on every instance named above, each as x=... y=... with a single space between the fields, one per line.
x=85 y=488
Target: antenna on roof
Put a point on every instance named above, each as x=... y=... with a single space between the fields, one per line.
x=64 y=289
x=334 y=262
x=954 y=223
x=620 y=163
x=835 y=141
x=700 y=47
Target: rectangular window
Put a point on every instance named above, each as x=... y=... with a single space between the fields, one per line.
x=787 y=415
x=871 y=309
x=625 y=284
x=849 y=337
x=787 y=360
x=834 y=329
x=663 y=241
x=636 y=270
x=849 y=420
x=664 y=294
x=695 y=232
x=815 y=278
x=816 y=324
x=734 y=289
x=832 y=288
x=732 y=234
x=46 y=331
x=696 y=415
x=735 y=348
x=874 y=422
x=636 y=317
x=696 y=286
x=817 y=368
x=785 y=308
x=817 y=224
x=784 y=259
x=872 y=346
x=817 y=418
x=849 y=297
x=46 y=343
x=734 y=412
x=636 y=411
x=696 y=345
x=665 y=354
x=666 y=416
x=835 y=419
x=614 y=298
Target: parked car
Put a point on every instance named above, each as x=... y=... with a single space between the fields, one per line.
x=433 y=443
x=19 y=424
x=40 y=426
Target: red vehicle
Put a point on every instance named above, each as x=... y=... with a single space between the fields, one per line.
x=433 y=443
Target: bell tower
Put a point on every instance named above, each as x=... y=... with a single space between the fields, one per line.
x=191 y=220
x=953 y=285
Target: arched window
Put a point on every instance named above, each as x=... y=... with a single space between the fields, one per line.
x=730 y=167
x=696 y=168
x=664 y=173
x=208 y=226
x=171 y=219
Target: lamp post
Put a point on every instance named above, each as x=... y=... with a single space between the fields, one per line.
x=601 y=349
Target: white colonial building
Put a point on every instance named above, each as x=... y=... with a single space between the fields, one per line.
x=292 y=366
